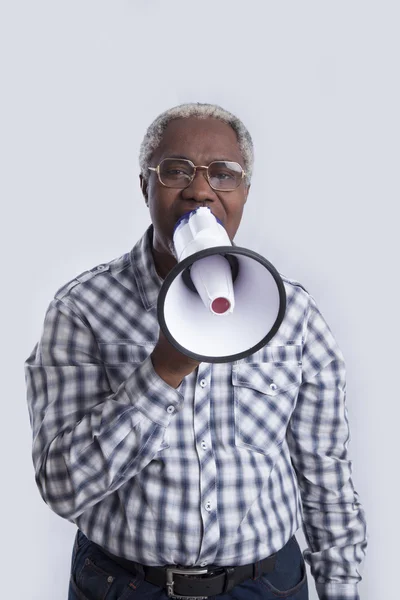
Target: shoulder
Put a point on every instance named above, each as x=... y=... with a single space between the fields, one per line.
x=294 y=284
x=299 y=301
x=107 y=270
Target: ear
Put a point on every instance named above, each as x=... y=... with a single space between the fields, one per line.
x=144 y=188
x=246 y=193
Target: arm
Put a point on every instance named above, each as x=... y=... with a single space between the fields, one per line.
x=318 y=435
x=88 y=441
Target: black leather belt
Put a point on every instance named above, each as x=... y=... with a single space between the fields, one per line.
x=196 y=583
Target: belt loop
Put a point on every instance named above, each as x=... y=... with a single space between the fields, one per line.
x=140 y=568
x=256 y=570
x=229 y=580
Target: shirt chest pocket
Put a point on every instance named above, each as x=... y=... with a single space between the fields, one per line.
x=121 y=358
x=264 y=398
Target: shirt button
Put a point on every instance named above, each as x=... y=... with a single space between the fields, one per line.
x=203 y=383
x=171 y=409
x=101 y=267
x=203 y=564
x=208 y=505
x=204 y=445
x=273 y=386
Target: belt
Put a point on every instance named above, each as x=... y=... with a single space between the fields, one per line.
x=196 y=583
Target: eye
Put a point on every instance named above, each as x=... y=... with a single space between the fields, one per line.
x=224 y=176
x=176 y=171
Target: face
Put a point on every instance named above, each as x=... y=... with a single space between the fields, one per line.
x=201 y=141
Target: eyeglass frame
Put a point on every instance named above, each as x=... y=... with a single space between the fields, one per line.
x=157 y=170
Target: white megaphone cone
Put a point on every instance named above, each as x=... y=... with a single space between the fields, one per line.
x=220 y=302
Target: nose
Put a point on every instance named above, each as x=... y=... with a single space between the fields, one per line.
x=199 y=190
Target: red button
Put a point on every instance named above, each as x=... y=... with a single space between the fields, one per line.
x=220 y=305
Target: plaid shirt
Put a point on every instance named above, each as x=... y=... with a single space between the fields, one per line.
x=222 y=470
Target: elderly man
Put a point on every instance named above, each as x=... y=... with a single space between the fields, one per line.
x=145 y=449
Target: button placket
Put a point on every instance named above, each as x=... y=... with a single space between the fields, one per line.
x=208 y=476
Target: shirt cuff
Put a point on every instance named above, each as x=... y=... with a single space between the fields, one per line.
x=337 y=591
x=151 y=395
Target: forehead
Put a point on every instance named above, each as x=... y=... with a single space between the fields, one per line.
x=200 y=140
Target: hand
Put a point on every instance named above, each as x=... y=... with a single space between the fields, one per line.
x=170 y=364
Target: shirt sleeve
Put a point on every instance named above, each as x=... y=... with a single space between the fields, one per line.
x=318 y=435
x=88 y=441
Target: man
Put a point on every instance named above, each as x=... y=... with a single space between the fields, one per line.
x=162 y=461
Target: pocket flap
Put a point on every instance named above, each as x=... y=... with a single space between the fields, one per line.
x=120 y=352
x=267 y=378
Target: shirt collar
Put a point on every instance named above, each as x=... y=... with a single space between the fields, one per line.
x=147 y=279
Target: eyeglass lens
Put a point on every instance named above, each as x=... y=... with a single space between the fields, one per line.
x=178 y=173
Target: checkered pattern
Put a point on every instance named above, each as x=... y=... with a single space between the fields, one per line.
x=222 y=470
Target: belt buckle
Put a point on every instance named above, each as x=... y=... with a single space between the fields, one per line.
x=170 y=582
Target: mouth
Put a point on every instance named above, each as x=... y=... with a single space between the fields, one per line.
x=190 y=208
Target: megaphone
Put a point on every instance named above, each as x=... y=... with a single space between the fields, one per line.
x=220 y=302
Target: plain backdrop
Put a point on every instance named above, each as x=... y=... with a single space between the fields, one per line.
x=317 y=85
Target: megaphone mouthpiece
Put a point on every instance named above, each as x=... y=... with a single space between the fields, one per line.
x=197 y=230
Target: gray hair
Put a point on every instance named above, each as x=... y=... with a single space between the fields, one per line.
x=154 y=133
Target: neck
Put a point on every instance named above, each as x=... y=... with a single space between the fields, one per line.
x=163 y=261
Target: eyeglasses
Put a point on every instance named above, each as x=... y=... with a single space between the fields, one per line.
x=222 y=175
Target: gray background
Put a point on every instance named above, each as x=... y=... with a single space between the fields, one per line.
x=317 y=84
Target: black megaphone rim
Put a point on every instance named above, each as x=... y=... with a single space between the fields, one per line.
x=184 y=264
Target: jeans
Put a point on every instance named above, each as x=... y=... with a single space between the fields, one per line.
x=95 y=576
